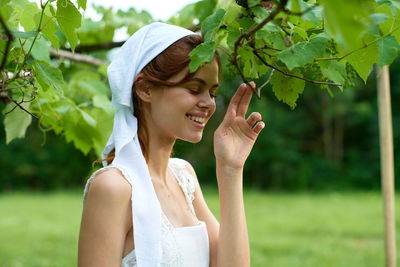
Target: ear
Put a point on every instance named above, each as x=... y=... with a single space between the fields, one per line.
x=142 y=88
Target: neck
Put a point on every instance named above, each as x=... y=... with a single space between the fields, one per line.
x=159 y=149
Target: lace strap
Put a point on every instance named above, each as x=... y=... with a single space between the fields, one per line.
x=185 y=180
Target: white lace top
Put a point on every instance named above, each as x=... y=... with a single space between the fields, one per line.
x=181 y=246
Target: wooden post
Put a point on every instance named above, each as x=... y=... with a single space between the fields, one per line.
x=387 y=165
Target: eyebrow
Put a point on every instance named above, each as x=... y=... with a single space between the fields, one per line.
x=203 y=82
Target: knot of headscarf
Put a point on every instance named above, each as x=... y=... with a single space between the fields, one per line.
x=142 y=47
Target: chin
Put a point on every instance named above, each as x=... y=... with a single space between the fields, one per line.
x=193 y=139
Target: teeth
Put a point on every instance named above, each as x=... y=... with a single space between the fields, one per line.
x=197 y=119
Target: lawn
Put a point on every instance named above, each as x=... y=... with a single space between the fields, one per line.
x=301 y=229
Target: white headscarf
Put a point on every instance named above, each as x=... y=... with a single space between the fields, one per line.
x=133 y=56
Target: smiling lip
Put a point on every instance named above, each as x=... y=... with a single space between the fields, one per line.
x=197 y=124
x=198 y=119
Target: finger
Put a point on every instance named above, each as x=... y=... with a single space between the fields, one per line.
x=253 y=118
x=235 y=100
x=245 y=101
x=259 y=126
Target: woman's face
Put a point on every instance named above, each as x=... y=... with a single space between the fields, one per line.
x=182 y=111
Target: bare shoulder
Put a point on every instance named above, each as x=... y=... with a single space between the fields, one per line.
x=111 y=185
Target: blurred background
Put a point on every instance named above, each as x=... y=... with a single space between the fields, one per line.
x=326 y=143
x=312 y=181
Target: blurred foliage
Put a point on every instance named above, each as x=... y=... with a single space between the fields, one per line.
x=330 y=141
x=294 y=151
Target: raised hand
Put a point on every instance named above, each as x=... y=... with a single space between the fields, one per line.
x=235 y=137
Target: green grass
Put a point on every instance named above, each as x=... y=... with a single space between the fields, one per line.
x=328 y=229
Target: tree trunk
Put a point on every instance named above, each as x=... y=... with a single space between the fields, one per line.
x=387 y=163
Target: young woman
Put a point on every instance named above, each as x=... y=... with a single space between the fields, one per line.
x=145 y=208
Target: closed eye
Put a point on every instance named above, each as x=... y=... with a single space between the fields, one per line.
x=193 y=91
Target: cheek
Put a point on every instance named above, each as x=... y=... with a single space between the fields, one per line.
x=212 y=109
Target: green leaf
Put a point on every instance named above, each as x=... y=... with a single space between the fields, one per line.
x=49 y=75
x=104 y=127
x=333 y=70
x=252 y=3
x=49 y=29
x=388 y=49
x=102 y=101
x=212 y=23
x=287 y=89
x=82 y=4
x=201 y=54
x=295 y=6
x=347 y=20
x=301 y=32
x=40 y=49
x=250 y=69
x=314 y=16
x=78 y=131
x=303 y=53
x=88 y=119
x=362 y=60
x=23 y=35
x=16 y=122
x=233 y=35
x=204 y=8
x=28 y=15
x=69 y=19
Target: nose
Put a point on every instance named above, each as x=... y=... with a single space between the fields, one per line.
x=206 y=100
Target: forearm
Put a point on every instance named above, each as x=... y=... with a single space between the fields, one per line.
x=233 y=245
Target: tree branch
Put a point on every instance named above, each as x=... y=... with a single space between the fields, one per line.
x=10 y=38
x=77 y=57
x=249 y=33
x=99 y=46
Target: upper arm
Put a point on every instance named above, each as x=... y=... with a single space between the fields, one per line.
x=104 y=220
x=204 y=214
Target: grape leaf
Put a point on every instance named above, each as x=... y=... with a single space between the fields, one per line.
x=69 y=19
x=204 y=8
x=16 y=122
x=287 y=89
x=201 y=54
x=80 y=133
x=28 y=15
x=314 y=15
x=49 y=28
x=87 y=118
x=388 y=49
x=303 y=53
x=347 y=24
x=102 y=101
x=49 y=75
x=212 y=23
x=40 y=49
x=23 y=35
x=333 y=70
x=363 y=59
x=82 y=4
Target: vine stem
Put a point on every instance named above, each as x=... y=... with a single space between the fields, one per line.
x=249 y=33
x=292 y=75
x=33 y=42
x=21 y=107
x=358 y=49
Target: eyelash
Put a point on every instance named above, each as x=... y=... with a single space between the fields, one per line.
x=195 y=92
